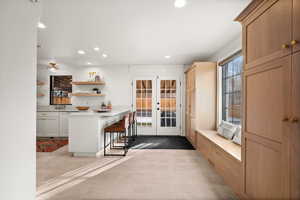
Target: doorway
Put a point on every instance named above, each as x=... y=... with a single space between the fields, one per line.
x=158 y=105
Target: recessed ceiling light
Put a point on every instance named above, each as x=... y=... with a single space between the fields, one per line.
x=179 y=3
x=81 y=52
x=167 y=57
x=96 y=48
x=104 y=55
x=41 y=25
x=89 y=63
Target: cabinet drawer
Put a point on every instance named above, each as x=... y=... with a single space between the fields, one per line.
x=229 y=168
x=205 y=147
x=47 y=114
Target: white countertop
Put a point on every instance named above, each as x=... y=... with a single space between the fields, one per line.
x=53 y=109
x=115 y=111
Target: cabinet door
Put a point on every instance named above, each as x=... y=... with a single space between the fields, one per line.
x=267 y=107
x=296 y=24
x=267 y=99
x=39 y=128
x=295 y=134
x=268 y=32
x=265 y=176
x=48 y=127
x=187 y=126
x=64 y=124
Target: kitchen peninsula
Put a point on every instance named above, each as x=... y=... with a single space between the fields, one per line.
x=86 y=136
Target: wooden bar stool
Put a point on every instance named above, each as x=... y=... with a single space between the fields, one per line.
x=121 y=128
x=134 y=124
x=130 y=126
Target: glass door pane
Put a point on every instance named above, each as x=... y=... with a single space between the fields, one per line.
x=144 y=95
x=168 y=112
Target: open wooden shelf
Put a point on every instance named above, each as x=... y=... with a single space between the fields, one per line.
x=40 y=95
x=87 y=95
x=88 y=83
x=40 y=83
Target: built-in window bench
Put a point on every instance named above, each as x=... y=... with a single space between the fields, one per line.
x=223 y=155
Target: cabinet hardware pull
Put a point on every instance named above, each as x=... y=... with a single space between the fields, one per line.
x=295 y=120
x=285 y=46
x=294 y=42
x=286 y=119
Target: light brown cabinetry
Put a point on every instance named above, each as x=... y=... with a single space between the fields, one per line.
x=200 y=98
x=295 y=133
x=271 y=136
x=218 y=151
x=268 y=32
x=267 y=99
x=296 y=26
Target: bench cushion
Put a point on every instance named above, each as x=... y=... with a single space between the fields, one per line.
x=227 y=130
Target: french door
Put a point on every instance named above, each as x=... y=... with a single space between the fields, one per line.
x=157 y=103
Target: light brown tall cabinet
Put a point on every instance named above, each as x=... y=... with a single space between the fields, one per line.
x=200 y=99
x=271 y=139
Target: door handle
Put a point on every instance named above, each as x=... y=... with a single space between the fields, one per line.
x=286 y=119
x=294 y=42
x=294 y=120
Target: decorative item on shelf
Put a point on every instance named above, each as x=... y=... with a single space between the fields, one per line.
x=92 y=76
x=109 y=105
x=96 y=91
x=103 y=105
x=97 y=78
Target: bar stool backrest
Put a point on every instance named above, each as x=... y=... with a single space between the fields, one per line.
x=134 y=116
x=126 y=121
x=130 y=118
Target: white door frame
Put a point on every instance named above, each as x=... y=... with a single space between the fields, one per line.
x=155 y=128
x=146 y=130
x=169 y=130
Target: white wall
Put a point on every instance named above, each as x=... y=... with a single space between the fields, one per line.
x=117 y=88
x=228 y=50
x=18 y=19
x=118 y=79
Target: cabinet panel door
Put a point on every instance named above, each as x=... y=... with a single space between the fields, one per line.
x=49 y=127
x=39 y=128
x=267 y=98
x=264 y=174
x=64 y=124
x=296 y=24
x=266 y=34
x=295 y=135
x=187 y=126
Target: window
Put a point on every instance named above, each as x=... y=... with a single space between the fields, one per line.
x=232 y=90
x=60 y=88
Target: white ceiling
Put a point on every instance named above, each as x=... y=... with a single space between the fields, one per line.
x=136 y=31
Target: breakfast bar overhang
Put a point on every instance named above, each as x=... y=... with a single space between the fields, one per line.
x=86 y=130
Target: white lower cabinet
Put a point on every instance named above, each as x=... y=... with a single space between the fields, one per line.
x=52 y=124
x=64 y=124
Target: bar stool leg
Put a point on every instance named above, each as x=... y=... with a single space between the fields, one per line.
x=104 y=143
